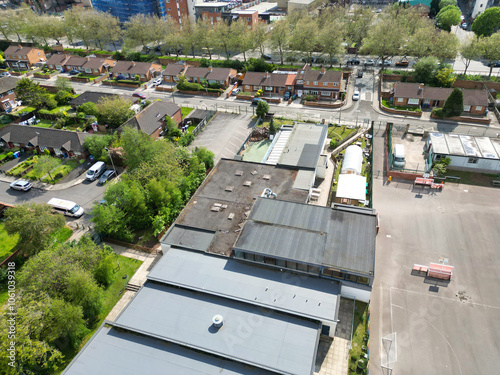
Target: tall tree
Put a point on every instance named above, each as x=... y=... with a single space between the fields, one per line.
x=139 y=31
x=243 y=37
x=425 y=70
x=206 y=37
x=223 y=37
x=75 y=21
x=114 y=111
x=34 y=223
x=454 y=105
x=260 y=36
x=45 y=164
x=447 y=17
x=487 y=22
x=445 y=45
x=434 y=8
x=359 y=25
x=280 y=37
x=30 y=92
x=305 y=36
x=331 y=36
x=470 y=50
x=490 y=48
x=189 y=35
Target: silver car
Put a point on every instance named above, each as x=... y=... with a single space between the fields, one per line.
x=22 y=185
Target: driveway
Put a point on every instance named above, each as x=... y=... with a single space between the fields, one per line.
x=441 y=328
x=225 y=134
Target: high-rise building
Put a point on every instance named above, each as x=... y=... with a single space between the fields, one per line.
x=124 y=9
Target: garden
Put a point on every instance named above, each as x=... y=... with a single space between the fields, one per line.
x=388 y=104
x=47 y=169
x=358 y=363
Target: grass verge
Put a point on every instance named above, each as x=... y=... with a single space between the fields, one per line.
x=359 y=336
x=186 y=111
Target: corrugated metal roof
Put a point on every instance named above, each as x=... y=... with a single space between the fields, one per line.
x=304 y=146
x=339 y=237
x=113 y=351
x=264 y=338
x=279 y=145
x=351 y=186
x=189 y=238
x=309 y=297
x=304 y=179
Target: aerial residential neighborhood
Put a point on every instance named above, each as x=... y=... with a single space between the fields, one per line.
x=296 y=187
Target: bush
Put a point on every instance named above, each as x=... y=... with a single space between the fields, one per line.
x=310 y=98
x=49 y=102
x=186 y=139
x=438 y=112
x=62 y=97
x=333 y=143
x=58 y=176
x=45 y=152
x=137 y=77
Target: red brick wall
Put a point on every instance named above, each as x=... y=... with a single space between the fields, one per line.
x=177 y=117
x=6 y=97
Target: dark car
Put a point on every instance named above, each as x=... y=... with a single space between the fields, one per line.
x=360 y=73
x=354 y=61
x=106 y=176
x=494 y=64
x=287 y=96
x=139 y=95
x=257 y=100
x=267 y=57
x=74 y=72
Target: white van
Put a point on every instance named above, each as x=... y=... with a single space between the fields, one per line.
x=95 y=171
x=398 y=156
x=68 y=208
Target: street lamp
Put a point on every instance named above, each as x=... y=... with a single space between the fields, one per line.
x=113 y=164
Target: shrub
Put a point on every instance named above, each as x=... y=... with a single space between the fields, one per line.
x=10 y=155
x=137 y=77
x=58 y=176
x=310 y=98
x=186 y=139
x=62 y=97
x=333 y=143
x=438 y=112
x=45 y=152
x=454 y=105
x=49 y=102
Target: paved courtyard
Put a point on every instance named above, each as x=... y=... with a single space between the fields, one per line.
x=442 y=328
x=224 y=134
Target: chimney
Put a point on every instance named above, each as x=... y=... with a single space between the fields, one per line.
x=420 y=88
x=133 y=63
x=323 y=70
x=88 y=58
x=267 y=75
x=210 y=69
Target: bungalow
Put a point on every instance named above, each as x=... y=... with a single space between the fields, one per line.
x=7 y=94
x=222 y=76
x=327 y=84
x=172 y=72
x=151 y=120
x=59 y=142
x=95 y=97
x=129 y=69
x=89 y=65
x=270 y=83
x=58 y=61
x=23 y=58
x=416 y=94
x=196 y=74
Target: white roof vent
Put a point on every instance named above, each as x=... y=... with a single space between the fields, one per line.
x=218 y=321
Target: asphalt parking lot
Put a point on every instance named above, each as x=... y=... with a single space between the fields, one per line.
x=441 y=328
x=225 y=134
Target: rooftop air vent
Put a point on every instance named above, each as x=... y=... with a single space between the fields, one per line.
x=217 y=321
x=238 y=173
x=247 y=183
x=229 y=188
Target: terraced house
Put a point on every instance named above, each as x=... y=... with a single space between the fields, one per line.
x=326 y=84
x=129 y=69
x=270 y=83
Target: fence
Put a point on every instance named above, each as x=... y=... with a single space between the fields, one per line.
x=203 y=123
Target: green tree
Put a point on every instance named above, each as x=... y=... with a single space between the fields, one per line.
x=189 y=35
x=64 y=323
x=205 y=156
x=445 y=3
x=45 y=164
x=139 y=31
x=446 y=77
x=260 y=36
x=280 y=37
x=445 y=45
x=272 y=127
x=89 y=108
x=82 y=290
x=30 y=92
x=454 y=105
x=358 y=25
x=490 y=49
x=243 y=37
x=262 y=108
x=114 y=111
x=470 y=50
x=35 y=224
x=331 y=37
x=434 y=8
x=111 y=221
x=447 y=17
x=425 y=70
x=487 y=22
x=63 y=97
x=64 y=84
x=305 y=36
x=96 y=144
x=224 y=37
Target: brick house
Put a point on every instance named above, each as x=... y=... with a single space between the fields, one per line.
x=23 y=58
x=58 y=142
x=151 y=120
x=7 y=94
x=88 y=65
x=196 y=74
x=129 y=69
x=223 y=76
x=269 y=83
x=95 y=97
x=326 y=84
x=58 y=61
x=417 y=94
x=173 y=71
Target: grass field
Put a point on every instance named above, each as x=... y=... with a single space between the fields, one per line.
x=7 y=243
x=63 y=108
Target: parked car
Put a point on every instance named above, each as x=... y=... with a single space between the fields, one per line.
x=256 y=101
x=464 y=25
x=139 y=95
x=353 y=61
x=287 y=95
x=360 y=73
x=157 y=81
x=309 y=60
x=5 y=74
x=494 y=64
x=402 y=62
x=267 y=57
x=386 y=63
x=106 y=176
x=74 y=72
x=21 y=185
x=235 y=91
x=370 y=62
x=355 y=96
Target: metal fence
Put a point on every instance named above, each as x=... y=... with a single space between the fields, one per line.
x=203 y=123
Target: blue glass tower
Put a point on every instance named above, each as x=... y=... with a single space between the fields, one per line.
x=124 y=9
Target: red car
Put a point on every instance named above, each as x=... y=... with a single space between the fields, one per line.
x=139 y=95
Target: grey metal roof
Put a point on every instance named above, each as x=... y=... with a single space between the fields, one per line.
x=250 y=334
x=113 y=351
x=470 y=145
x=454 y=144
x=304 y=146
x=309 y=297
x=465 y=145
x=439 y=144
x=189 y=238
x=340 y=237
x=304 y=179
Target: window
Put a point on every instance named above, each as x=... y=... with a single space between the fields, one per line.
x=247 y=87
x=331 y=272
x=249 y=19
x=314 y=270
x=313 y=92
x=363 y=280
x=325 y=93
x=400 y=100
x=307 y=82
x=472 y=160
x=10 y=92
x=351 y=278
x=300 y=82
x=280 y=263
x=302 y=267
x=315 y=83
x=479 y=108
x=169 y=9
x=257 y=87
x=325 y=83
x=269 y=260
x=88 y=70
x=413 y=101
x=466 y=108
x=269 y=88
x=291 y=265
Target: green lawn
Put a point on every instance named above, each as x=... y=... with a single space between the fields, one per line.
x=387 y=104
x=89 y=76
x=7 y=243
x=186 y=111
x=63 y=108
x=45 y=124
x=25 y=110
x=470 y=178
x=124 y=267
x=17 y=170
x=63 y=169
x=359 y=337
x=340 y=132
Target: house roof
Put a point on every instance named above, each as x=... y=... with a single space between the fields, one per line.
x=327 y=76
x=351 y=186
x=15 y=49
x=7 y=84
x=220 y=74
x=95 y=97
x=174 y=69
x=342 y=237
x=196 y=72
x=115 y=351
x=265 y=79
x=97 y=62
x=44 y=137
x=436 y=93
x=290 y=79
x=279 y=342
x=408 y=90
x=465 y=145
x=58 y=59
x=76 y=61
x=246 y=282
x=132 y=67
x=151 y=117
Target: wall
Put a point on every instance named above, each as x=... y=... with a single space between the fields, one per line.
x=482 y=165
x=350 y=291
x=327 y=105
x=466 y=119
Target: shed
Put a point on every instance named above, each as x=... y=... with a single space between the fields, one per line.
x=351 y=189
x=353 y=160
